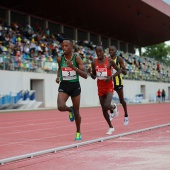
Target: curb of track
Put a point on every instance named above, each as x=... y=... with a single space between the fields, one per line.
x=76 y=145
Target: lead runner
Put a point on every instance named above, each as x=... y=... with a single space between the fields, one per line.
x=70 y=67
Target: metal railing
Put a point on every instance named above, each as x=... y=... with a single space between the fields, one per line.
x=29 y=64
x=36 y=65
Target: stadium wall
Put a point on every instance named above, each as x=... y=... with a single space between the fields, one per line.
x=46 y=88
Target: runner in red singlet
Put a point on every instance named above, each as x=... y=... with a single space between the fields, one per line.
x=102 y=70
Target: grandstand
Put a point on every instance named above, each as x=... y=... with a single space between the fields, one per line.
x=30 y=44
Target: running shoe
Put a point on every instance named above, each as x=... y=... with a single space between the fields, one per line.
x=111 y=116
x=126 y=121
x=71 y=114
x=110 y=131
x=115 y=110
x=78 y=136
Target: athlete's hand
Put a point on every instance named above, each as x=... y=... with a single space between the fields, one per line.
x=57 y=80
x=108 y=78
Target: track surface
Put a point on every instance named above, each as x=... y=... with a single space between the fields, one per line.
x=25 y=132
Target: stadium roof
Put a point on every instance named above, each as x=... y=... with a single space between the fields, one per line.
x=140 y=22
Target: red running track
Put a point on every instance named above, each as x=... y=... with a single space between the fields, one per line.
x=142 y=151
x=25 y=132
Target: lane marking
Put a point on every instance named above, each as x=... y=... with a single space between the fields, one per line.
x=76 y=145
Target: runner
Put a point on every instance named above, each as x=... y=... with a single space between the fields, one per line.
x=101 y=69
x=70 y=67
x=118 y=82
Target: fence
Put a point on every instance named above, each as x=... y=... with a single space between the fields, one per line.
x=35 y=65
x=28 y=64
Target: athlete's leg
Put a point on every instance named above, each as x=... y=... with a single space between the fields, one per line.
x=105 y=102
x=122 y=101
x=76 y=106
x=61 y=102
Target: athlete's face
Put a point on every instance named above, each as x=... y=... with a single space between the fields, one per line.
x=66 y=47
x=112 y=51
x=100 y=53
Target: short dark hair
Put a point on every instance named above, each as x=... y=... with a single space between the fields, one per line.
x=112 y=46
x=67 y=39
x=99 y=46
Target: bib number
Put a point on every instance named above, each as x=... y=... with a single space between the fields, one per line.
x=68 y=73
x=101 y=73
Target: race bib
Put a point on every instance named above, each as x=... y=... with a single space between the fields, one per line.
x=101 y=73
x=68 y=73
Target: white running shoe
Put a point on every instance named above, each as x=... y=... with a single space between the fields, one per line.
x=111 y=116
x=126 y=121
x=115 y=111
x=110 y=131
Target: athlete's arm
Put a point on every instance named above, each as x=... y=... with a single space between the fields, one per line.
x=58 y=71
x=92 y=71
x=122 y=66
x=112 y=63
x=81 y=70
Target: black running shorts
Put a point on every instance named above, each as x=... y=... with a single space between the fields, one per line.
x=117 y=88
x=73 y=89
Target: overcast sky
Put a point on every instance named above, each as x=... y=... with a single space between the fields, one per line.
x=167 y=1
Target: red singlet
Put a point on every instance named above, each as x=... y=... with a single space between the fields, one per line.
x=102 y=71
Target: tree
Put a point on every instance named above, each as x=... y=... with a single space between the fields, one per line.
x=161 y=52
